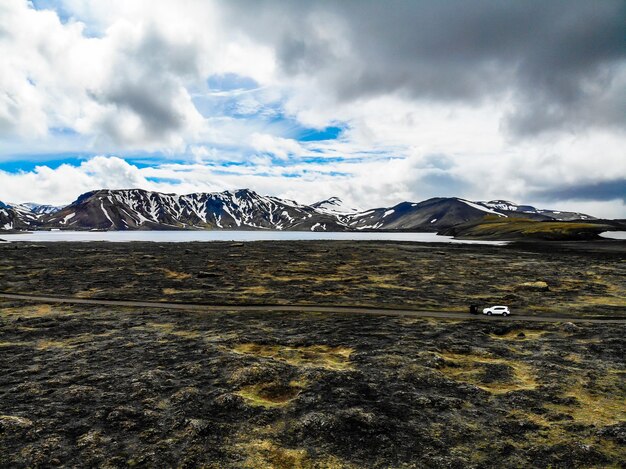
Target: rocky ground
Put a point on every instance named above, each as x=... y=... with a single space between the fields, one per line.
x=111 y=387
x=94 y=386
x=585 y=279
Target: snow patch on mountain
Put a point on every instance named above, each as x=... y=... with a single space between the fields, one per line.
x=41 y=208
x=481 y=207
x=243 y=209
x=334 y=205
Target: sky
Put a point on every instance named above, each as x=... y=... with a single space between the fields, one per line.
x=375 y=102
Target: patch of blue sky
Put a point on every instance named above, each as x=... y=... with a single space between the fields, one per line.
x=295 y=130
x=328 y=159
x=65 y=15
x=227 y=105
x=315 y=135
x=163 y=180
x=229 y=164
x=54 y=5
x=231 y=82
x=27 y=163
x=230 y=95
x=239 y=97
x=325 y=173
x=142 y=163
x=63 y=132
x=224 y=172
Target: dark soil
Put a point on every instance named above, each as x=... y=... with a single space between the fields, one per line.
x=94 y=386
x=581 y=278
x=119 y=387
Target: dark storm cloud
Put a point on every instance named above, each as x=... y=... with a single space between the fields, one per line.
x=147 y=82
x=559 y=60
x=606 y=190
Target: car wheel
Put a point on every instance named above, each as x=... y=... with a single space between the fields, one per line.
x=488 y=313
x=505 y=314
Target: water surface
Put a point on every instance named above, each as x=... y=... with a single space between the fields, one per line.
x=225 y=235
x=614 y=234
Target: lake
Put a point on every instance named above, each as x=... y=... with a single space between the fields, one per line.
x=225 y=235
x=614 y=234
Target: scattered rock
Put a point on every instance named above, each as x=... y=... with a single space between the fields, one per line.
x=570 y=454
x=615 y=432
x=78 y=393
x=92 y=438
x=196 y=426
x=9 y=423
x=533 y=286
x=518 y=427
x=497 y=372
x=253 y=374
x=185 y=396
x=569 y=327
x=315 y=422
x=205 y=274
x=229 y=401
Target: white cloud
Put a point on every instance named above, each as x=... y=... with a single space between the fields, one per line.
x=280 y=147
x=129 y=78
x=369 y=184
x=127 y=87
x=62 y=185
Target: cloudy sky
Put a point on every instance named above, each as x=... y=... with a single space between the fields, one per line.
x=372 y=101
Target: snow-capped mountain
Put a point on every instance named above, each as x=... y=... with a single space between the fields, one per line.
x=506 y=206
x=443 y=212
x=40 y=209
x=17 y=217
x=235 y=210
x=334 y=205
x=137 y=209
x=6 y=217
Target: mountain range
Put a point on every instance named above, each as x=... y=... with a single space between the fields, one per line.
x=244 y=209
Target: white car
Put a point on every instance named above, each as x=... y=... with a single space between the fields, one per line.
x=501 y=310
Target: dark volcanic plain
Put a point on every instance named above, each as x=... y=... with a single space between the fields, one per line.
x=92 y=386
x=579 y=278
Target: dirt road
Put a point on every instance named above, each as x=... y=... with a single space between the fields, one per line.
x=304 y=309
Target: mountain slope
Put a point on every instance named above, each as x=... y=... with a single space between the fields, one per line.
x=528 y=211
x=335 y=206
x=430 y=215
x=440 y=213
x=138 y=209
x=17 y=217
x=40 y=209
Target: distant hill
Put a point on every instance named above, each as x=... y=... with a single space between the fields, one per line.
x=492 y=227
x=244 y=209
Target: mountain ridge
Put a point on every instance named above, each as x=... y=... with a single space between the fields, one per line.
x=244 y=209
